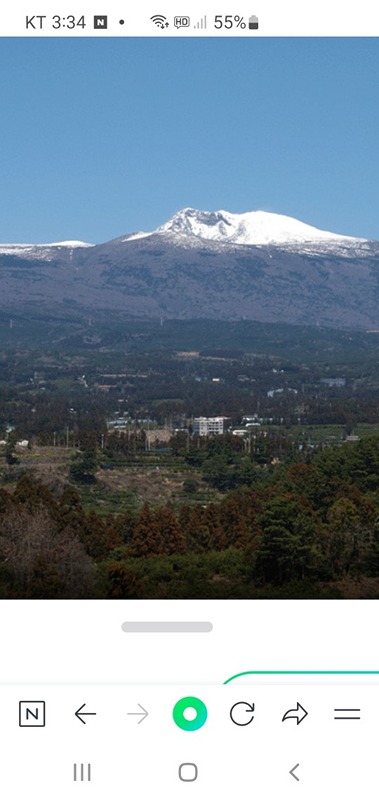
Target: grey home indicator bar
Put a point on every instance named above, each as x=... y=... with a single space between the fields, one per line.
x=176 y=626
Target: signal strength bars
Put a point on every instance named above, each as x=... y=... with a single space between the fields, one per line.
x=202 y=24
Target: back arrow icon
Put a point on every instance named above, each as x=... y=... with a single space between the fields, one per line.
x=299 y=713
x=79 y=714
x=143 y=714
x=292 y=772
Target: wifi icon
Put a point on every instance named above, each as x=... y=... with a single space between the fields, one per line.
x=160 y=21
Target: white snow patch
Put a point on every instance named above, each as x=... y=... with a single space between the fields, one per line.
x=73 y=243
x=140 y=235
x=38 y=250
x=12 y=248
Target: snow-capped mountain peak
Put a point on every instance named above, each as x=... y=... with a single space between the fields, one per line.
x=258 y=228
x=252 y=227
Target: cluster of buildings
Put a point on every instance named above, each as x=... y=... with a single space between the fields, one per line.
x=211 y=426
x=201 y=426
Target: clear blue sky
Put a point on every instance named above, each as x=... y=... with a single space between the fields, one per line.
x=101 y=137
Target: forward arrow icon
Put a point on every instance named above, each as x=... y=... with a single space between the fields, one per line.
x=143 y=714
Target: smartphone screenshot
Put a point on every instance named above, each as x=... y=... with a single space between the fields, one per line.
x=189 y=400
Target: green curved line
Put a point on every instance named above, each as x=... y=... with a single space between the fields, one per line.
x=303 y=672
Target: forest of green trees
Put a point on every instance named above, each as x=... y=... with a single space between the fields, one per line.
x=308 y=527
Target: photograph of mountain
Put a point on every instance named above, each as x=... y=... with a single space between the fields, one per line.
x=189 y=318
x=258 y=265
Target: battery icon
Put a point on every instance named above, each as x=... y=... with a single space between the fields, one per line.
x=253 y=23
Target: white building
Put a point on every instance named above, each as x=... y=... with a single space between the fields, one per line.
x=208 y=426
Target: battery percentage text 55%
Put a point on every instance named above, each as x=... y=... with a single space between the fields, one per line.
x=229 y=21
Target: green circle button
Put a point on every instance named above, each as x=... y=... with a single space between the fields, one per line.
x=197 y=706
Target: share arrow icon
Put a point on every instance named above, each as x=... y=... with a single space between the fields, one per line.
x=299 y=713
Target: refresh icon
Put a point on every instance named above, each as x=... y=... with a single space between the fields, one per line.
x=242 y=713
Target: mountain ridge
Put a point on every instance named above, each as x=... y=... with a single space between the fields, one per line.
x=191 y=268
x=249 y=228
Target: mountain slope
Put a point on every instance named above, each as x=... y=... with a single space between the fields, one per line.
x=217 y=265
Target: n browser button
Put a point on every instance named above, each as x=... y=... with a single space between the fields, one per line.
x=32 y=713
